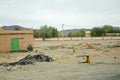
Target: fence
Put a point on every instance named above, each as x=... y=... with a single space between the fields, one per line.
x=80 y=38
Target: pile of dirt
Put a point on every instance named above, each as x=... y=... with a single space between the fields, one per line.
x=30 y=59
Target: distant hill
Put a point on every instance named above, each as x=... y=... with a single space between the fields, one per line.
x=116 y=28
x=66 y=32
x=12 y=27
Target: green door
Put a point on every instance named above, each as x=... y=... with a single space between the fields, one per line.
x=14 y=44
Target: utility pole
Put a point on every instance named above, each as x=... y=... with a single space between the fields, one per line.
x=62 y=31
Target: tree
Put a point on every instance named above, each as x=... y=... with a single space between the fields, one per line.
x=16 y=28
x=55 y=32
x=36 y=33
x=116 y=30
x=108 y=29
x=97 y=31
x=70 y=34
x=79 y=33
x=48 y=32
x=43 y=32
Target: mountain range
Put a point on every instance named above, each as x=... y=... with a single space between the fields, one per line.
x=66 y=32
x=12 y=27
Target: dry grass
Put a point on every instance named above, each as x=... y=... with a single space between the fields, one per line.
x=61 y=58
x=113 y=46
x=67 y=62
x=88 y=46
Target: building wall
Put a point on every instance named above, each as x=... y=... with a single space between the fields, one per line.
x=4 y=43
x=87 y=33
x=24 y=41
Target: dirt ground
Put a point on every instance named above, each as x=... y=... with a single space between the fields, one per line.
x=68 y=61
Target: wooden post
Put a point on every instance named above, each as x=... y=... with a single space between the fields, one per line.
x=62 y=31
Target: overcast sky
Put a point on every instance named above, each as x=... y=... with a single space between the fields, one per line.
x=72 y=13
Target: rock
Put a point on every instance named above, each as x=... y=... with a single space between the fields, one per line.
x=30 y=48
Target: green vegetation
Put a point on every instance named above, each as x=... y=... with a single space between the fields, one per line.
x=16 y=28
x=36 y=33
x=46 y=32
x=50 y=32
x=96 y=31
x=101 y=31
x=79 y=33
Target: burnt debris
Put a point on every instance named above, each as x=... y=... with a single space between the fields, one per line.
x=30 y=59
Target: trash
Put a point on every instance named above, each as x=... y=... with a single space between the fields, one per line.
x=115 y=57
x=30 y=48
x=30 y=59
x=37 y=58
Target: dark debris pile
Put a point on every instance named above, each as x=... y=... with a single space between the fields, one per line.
x=30 y=59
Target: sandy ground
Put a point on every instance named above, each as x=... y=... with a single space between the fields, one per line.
x=67 y=64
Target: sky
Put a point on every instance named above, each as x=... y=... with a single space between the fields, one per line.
x=75 y=14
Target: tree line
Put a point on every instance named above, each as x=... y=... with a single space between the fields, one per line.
x=96 y=31
x=50 y=32
x=102 y=31
x=46 y=32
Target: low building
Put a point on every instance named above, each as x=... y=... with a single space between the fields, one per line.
x=87 y=33
x=15 y=40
